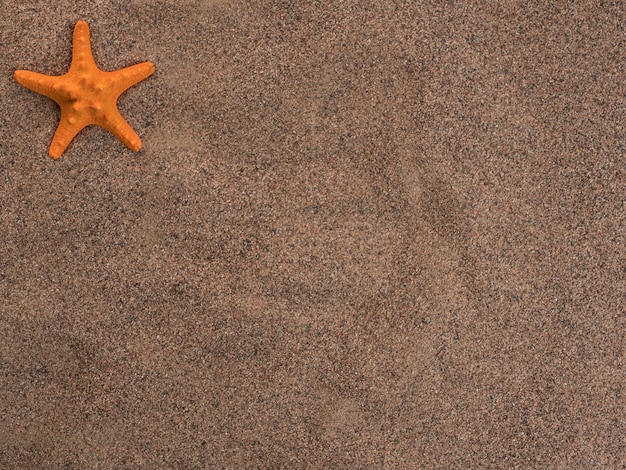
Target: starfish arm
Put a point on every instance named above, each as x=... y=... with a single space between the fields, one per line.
x=65 y=133
x=129 y=76
x=38 y=82
x=82 y=57
x=117 y=125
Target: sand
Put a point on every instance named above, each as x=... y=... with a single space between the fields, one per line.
x=359 y=235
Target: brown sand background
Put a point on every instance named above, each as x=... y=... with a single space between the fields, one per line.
x=360 y=234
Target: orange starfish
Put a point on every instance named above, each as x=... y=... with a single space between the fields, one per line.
x=86 y=94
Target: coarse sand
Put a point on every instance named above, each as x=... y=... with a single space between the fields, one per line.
x=360 y=234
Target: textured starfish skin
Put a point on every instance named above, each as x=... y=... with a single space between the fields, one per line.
x=86 y=94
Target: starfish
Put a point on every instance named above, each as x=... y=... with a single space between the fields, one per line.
x=86 y=94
